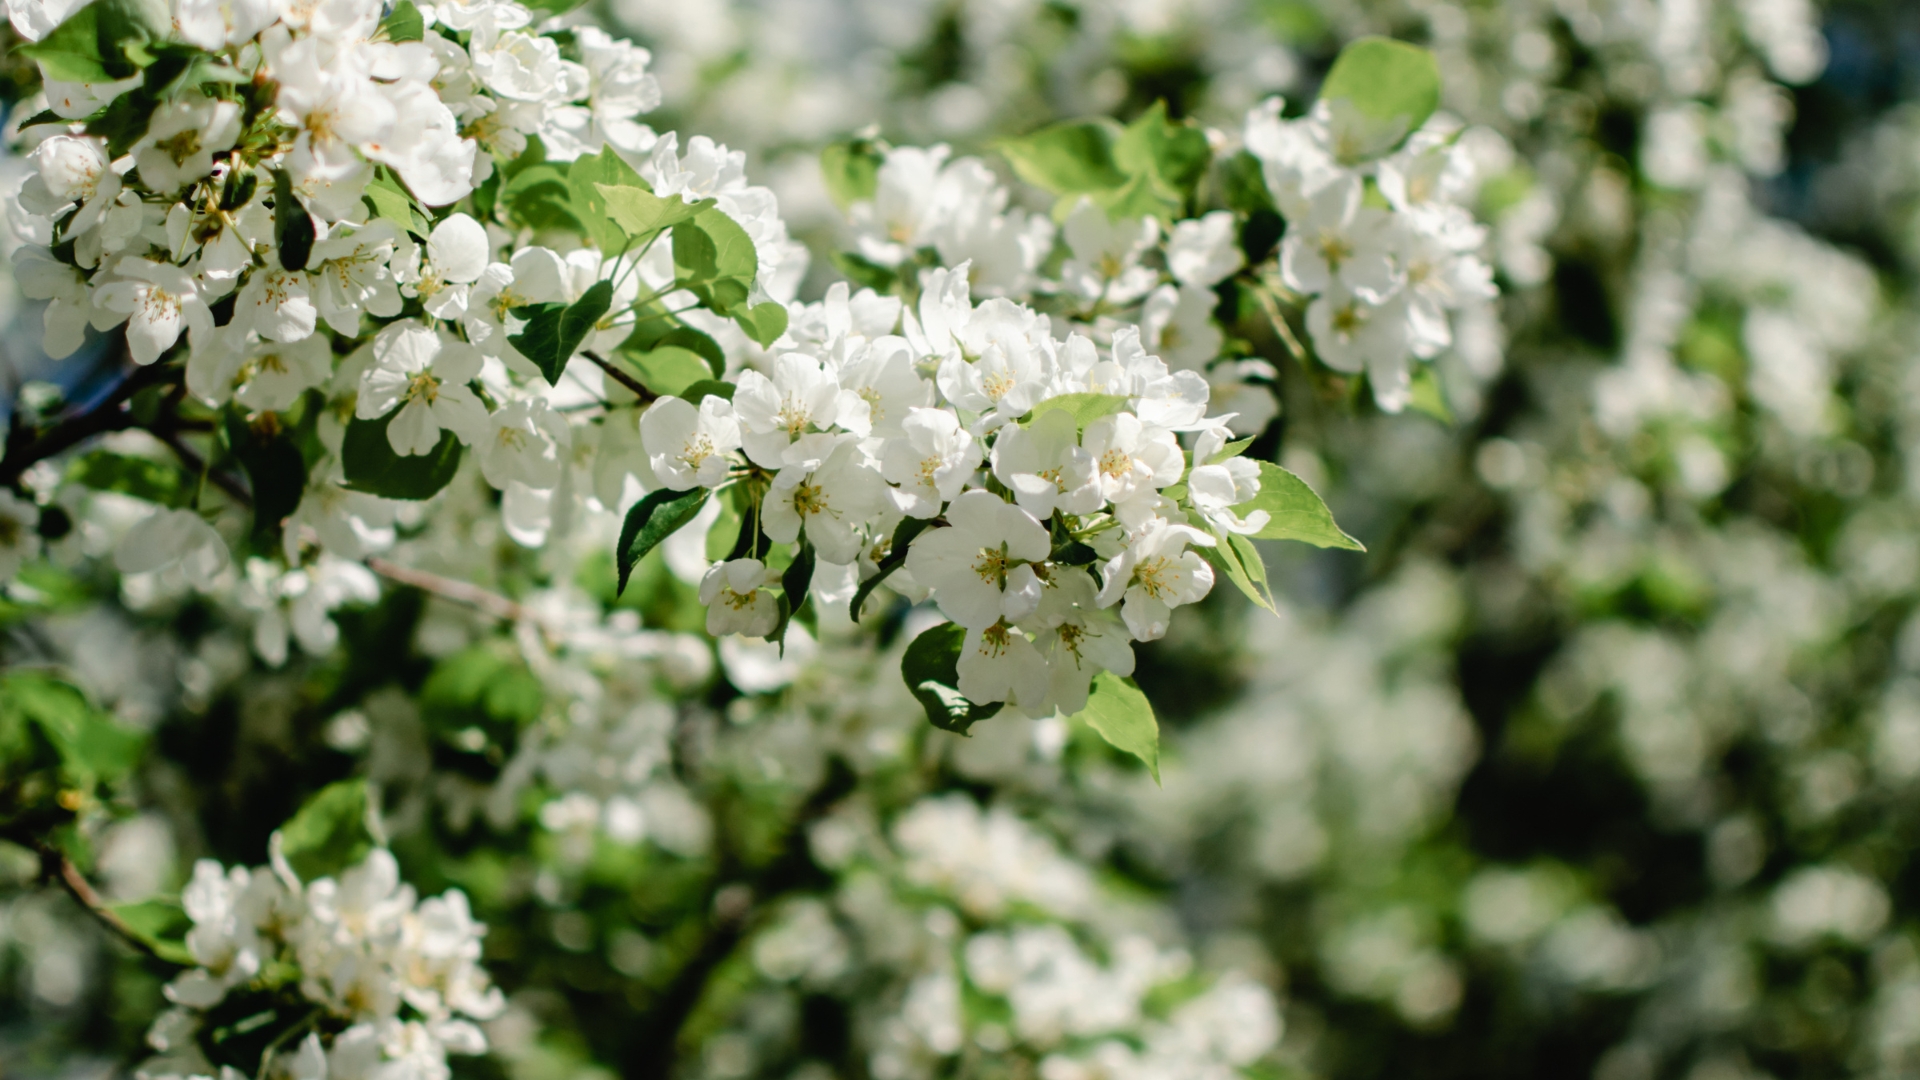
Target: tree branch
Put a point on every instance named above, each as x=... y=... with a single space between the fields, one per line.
x=645 y=395
x=113 y=414
x=446 y=588
x=55 y=866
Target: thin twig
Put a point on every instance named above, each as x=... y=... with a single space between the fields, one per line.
x=1280 y=325
x=621 y=377
x=225 y=481
x=446 y=588
x=55 y=866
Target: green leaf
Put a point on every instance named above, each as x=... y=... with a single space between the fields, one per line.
x=293 y=231
x=1231 y=450
x=332 y=832
x=1121 y=714
x=1243 y=566
x=707 y=388
x=863 y=272
x=639 y=214
x=162 y=924
x=1243 y=185
x=669 y=369
x=101 y=42
x=276 y=473
x=387 y=199
x=404 y=23
x=585 y=177
x=794 y=582
x=764 y=322
x=371 y=465
x=538 y=197
x=713 y=248
x=556 y=330
x=700 y=344
x=726 y=528
x=1070 y=158
x=1428 y=397
x=653 y=519
x=1391 y=88
x=92 y=746
x=1084 y=408
x=1296 y=512
x=1141 y=196
x=931 y=670
x=143 y=478
x=851 y=170
x=903 y=535
x=1176 y=155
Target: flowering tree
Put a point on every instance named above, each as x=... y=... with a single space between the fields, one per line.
x=432 y=427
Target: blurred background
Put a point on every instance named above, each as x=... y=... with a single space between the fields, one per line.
x=1605 y=759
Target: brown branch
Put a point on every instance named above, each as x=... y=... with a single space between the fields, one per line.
x=24 y=449
x=645 y=395
x=225 y=481
x=55 y=866
x=446 y=588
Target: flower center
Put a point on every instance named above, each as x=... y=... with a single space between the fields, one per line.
x=1335 y=249
x=180 y=147
x=809 y=500
x=992 y=566
x=793 y=417
x=1348 y=320
x=995 y=639
x=1155 y=575
x=872 y=397
x=698 y=449
x=996 y=384
x=423 y=388
x=1115 y=464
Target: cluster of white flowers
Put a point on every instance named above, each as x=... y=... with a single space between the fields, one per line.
x=1020 y=986
x=393 y=981
x=1384 y=279
x=1113 y=271
x=1042 y=481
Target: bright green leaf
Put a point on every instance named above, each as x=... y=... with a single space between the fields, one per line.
x=1176 y=154
x=1386 y=89
x=162 y=924
x=92 y=746
x=669 y=369
x=332 y=832
x=1071 y=158
x=585 y=177
x=1428 y=397
x=1121 y=714
x=764 y=322
x=1084 y=408
x=1295 y=512
x=652 y=520
x=640 y=214
x=851 y=170
x=404 y=23
x=707 y=388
